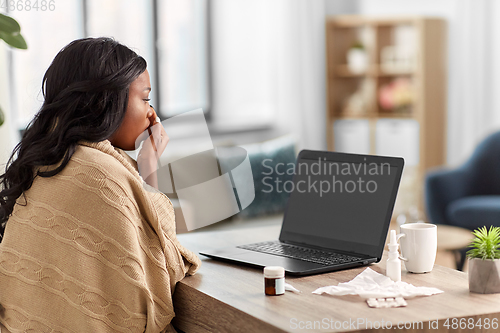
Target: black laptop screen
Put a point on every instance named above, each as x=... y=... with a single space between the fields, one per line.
x=343 y=203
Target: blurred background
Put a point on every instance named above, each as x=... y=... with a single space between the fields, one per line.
x=262 y=70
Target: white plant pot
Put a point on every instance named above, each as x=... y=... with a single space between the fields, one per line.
x=484 y=276
x=357 y=60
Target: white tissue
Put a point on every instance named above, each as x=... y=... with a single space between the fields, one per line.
x=288 y=287
x=370 y=284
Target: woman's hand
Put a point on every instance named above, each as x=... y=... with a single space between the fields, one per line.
x=153 y=147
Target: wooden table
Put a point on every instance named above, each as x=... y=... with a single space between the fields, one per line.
x=224 y=297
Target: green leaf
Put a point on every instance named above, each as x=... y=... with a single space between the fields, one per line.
x=9 y=25
x=15 y=40
x=486 y=245
x=2 y=118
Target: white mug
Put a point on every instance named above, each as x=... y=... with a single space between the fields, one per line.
x=418 y=246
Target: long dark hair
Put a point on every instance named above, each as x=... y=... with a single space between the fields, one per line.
x=85 y=93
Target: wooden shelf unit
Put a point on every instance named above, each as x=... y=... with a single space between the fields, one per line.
x=428 y=75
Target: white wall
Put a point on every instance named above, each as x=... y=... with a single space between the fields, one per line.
x=413 y=7
x=337 y=7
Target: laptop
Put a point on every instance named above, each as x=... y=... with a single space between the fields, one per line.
x=337 y=215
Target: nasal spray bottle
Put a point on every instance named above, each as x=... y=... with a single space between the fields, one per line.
x=393 y=266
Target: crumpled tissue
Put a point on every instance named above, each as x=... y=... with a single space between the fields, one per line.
x=288 y=287
x=370 y=284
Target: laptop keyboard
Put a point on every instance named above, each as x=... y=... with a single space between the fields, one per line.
x=302 y=253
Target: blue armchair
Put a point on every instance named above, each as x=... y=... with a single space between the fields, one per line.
x=468 y=196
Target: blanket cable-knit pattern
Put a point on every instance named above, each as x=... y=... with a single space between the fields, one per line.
x=92 y=249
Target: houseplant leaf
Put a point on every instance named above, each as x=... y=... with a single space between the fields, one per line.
x=10 y=32
x=486 y=244
x=15 y=40
x=2 y=119
x=9 y=25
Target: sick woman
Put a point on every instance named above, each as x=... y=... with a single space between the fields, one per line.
x=88 y=243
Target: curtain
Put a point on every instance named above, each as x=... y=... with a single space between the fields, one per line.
x=302 y=72
x=268 y=61
x=6 y=130
x=474 y=104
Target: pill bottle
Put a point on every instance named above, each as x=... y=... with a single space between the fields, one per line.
x=274 y=280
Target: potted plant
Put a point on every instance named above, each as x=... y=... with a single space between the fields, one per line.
x=10 y=32
x=357 y=58
x=484 y=263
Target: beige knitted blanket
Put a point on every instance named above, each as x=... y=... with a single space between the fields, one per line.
x=90 y=250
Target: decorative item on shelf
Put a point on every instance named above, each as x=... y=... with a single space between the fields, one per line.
x=484 y=261
x=397 y=96
x=397 y=59
x=357 y=58
x=354 y=105
x=358 y=103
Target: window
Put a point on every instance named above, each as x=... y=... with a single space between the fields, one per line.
x=129 y=22
x=183 y=55
x=217 y=55
x=46 y=32
x=245 y=62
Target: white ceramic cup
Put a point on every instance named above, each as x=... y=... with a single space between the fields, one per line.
x=418 y=246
